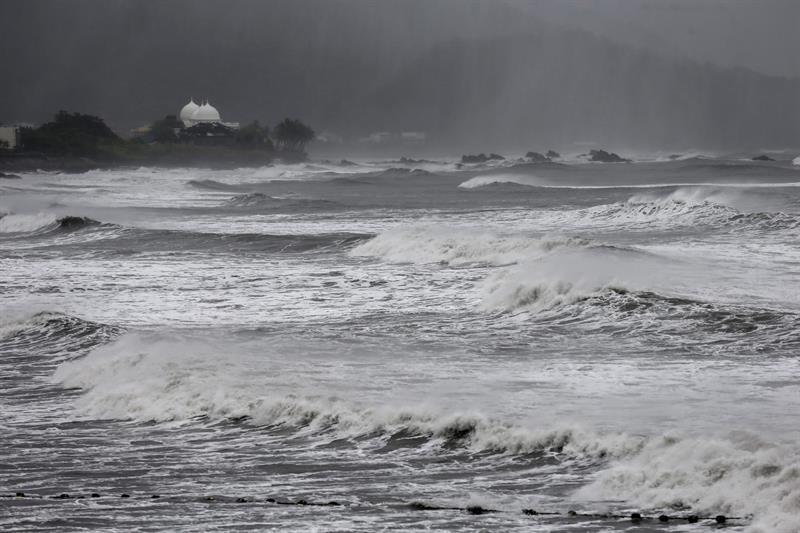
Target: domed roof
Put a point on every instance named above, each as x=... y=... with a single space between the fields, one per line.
x=188 y=110
x=206 y=113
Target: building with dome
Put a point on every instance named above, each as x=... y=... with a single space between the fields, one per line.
x=192 y=114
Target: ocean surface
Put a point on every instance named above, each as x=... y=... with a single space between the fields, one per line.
x=380 y=346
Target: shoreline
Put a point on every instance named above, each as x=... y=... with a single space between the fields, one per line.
x=12 y=165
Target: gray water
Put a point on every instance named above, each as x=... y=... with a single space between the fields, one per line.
x=587 y=337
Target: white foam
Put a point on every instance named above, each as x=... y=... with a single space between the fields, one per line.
x=23 y=223
x=457 y=246
x=569 y=275
x=796 y=161
x=163 y=379
x=483 y=181
x=738 y=475
x=175 y=379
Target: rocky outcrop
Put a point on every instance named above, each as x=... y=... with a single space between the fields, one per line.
x=481 y=158
x=536 y=157
x=601 y=156
x=762 y=157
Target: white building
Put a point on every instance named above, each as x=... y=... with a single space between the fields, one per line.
x=192 y=114
x=9 y=134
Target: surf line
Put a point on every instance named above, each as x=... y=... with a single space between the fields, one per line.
x=417 y=506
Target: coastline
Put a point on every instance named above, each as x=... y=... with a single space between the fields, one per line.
x=222 y=159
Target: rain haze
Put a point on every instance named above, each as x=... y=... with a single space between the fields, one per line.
x=413 y=265
x=510 y=74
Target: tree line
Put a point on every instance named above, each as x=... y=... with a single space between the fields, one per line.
x=82 y=135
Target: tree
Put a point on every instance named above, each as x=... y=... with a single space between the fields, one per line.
x=163 y=130
x=293 y=135
x=254 y=136
x=70 y=134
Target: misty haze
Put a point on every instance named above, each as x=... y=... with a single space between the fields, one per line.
x=418 y=265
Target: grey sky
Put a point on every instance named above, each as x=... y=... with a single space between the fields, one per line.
x=512 y=72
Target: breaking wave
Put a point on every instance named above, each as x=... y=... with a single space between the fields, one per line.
x=261 y=200
x=160 y=379
x=457 y=247
x=163 y=379
x=130 y=240
x=51 y=333
x=213 y=185
x=740 y=475
x=499 y=179
x=682 y=207
x=44 y=223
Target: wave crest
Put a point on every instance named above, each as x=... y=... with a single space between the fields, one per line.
x=44 y=223
x=261 y=200
x=740 y=475
x=457 y=247
x=680 y=208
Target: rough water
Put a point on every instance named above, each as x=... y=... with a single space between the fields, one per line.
x=403 y=340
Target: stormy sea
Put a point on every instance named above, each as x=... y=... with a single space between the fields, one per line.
x=387 y=345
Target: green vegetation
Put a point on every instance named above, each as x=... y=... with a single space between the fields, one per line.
x=71 y=134
x=293 y=135
x=167 y=141
x=254 y=136
x=163 y=130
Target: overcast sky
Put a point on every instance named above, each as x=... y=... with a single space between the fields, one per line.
x=762 y=35
x=523 y=71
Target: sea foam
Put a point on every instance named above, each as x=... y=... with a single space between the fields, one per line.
x=458 y=246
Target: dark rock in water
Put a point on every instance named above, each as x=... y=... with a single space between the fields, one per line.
x=636 y=517
x=663 y=518
x=693 y=519
x=270 y=500
x=155 y=496
x=481 y=158
x=5 y=176
x=241 y=500
x=536 y=157
x=529 y=512
x=476 y=509
x=63 y=496
x=720 y=519
x=347 y=163
x=420 y=506
x=673 y=157
x=71 y=222
x=601 y=156
x=334 y=504
x=572 y=513
x=552 y=154
x=124 y=495
x=94 y=495
x=410 y=161
x=20 y=495
x=301 y=502
x=763 y=158
x=395 y=171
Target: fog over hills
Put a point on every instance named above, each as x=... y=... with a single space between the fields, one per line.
x=482 y=75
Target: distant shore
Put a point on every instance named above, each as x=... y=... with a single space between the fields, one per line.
x=214 y=158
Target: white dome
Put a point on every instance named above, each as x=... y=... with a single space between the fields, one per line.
x=206 y=113
x=187 y=111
